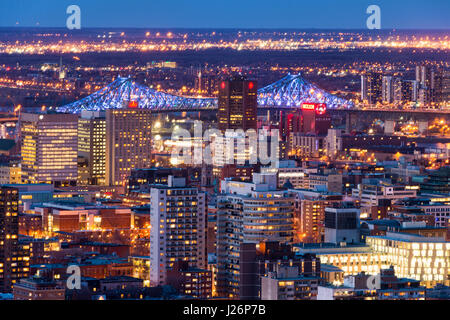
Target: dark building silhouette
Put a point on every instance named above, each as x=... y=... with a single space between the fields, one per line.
x=315 y=118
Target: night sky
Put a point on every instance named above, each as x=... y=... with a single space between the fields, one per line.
x=333 y=14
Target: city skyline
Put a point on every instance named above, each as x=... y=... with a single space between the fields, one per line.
x=142 y=158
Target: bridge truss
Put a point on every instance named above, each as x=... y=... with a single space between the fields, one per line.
x=289 y=92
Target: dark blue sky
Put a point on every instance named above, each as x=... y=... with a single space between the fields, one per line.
x=399 y=14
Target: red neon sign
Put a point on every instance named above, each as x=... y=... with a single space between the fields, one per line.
x=320 y=108
x=133 y=104
x=308 y=106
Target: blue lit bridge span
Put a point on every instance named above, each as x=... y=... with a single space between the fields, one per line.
x=288 y=92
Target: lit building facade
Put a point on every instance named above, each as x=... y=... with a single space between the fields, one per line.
x=14 y=255
x=371 y=191
x=372 y=87
x=92 y=146
x=141 y=268
x=421 y=258
x=49 y=148
x=128 y=143
x=351 y=259
x=178 y=228
x=249 y=212
x=414 y=257
x=309 y=214
x=307 y=145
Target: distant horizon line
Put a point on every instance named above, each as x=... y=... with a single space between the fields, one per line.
x=225 y=28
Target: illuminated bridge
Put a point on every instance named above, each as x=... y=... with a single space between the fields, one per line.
x=289 y=92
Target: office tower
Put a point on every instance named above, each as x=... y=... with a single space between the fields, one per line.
x=49 y=148
x=237 y=110
x=14 y=255
x=248 y=212
x=128 y=143
x=388 y=89
x=315 y=118
x=342 y=223
x=178 y=228
x=92 y=146
x=371 y=87
x=237 y=104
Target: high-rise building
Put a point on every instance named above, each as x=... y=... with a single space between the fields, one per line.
x=405 y=91
x=431 y=82
x=249 y=212
x=371 y=87
x=14 y=255
x=92 y=145
x=315 y=118
x=237 y=104
x=388 y=89
x=178 y=221
x=128 y=143
x=237 y=110
x=446 y=87
x=49 y=148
